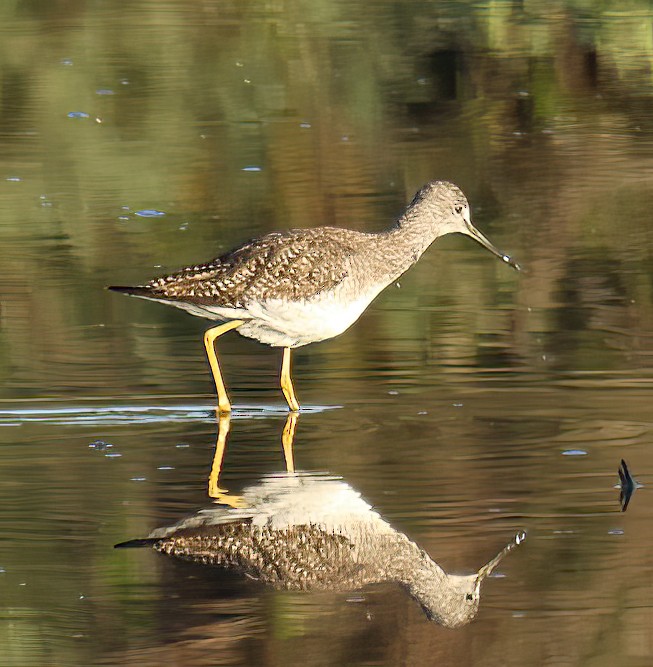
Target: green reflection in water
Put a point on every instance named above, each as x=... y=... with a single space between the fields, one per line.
x=541 y=112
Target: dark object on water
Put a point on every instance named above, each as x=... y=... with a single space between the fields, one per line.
x=310 y=532
x=289 y=289
x=627 y=485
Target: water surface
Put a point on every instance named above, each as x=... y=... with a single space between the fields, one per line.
x=469 y=401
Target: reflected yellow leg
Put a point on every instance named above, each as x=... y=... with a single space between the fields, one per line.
x=287 y=440
x=209 y=340
x=218 y=494
x=214 y=476
x=286 y=381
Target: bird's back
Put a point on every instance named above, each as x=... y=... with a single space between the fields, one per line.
x=302 y=557
x=293 y=265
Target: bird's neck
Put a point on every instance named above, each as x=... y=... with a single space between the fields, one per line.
x=412 y=567
x=397 y=558
x=408 y=238
x=439 y=594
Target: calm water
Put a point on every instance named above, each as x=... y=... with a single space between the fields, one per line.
x=469 y=401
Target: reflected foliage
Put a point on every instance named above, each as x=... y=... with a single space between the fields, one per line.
x=343 y=111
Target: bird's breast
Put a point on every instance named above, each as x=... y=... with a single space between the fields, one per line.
x=288 y=323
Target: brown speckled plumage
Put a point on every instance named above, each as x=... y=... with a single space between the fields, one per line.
x=296 y=264
x=306 y=285
x=297 y=558
x=289 y=289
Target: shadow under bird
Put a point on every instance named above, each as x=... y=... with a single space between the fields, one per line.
x=288 y=289
x=310 y=532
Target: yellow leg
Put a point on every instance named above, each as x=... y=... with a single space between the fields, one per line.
x=209 y=340
x=287 y=440
x=214 y=476
x=286 y=381
x=219 y=494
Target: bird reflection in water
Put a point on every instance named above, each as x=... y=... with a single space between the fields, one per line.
x=314 y=532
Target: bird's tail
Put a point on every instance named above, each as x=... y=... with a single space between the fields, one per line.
x=132 y=291
x=135 y=544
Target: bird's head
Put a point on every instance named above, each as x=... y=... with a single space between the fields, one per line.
x=460 y=604
x=446 y=208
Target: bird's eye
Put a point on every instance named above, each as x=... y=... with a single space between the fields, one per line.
x=469 y=597
x=458 y=209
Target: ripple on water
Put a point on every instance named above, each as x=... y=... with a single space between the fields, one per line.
x=131 y=414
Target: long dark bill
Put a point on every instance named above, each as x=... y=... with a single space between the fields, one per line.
x=489 y=567
x=486 y=243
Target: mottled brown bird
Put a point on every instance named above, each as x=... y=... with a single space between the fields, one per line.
x=288 y=289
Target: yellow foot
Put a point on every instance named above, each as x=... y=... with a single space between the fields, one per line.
x=237 y=502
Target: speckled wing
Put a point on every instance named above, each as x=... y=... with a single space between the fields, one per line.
x=298 y=557
x=296 y=265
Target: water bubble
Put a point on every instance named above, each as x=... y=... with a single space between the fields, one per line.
x=66 y=61
x=104 y=91
x=100 y=445
x=165 y=468
x=182 y=445
x=13 y=179
x=574 y=452
x=149 y=213
x=251 y=168
x=305 y=126
x=112 y=455
x=77 y=114
x=616 y=531
x=138 y=479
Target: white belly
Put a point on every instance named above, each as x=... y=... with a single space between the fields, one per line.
x=293 y=324
x=289 y=323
